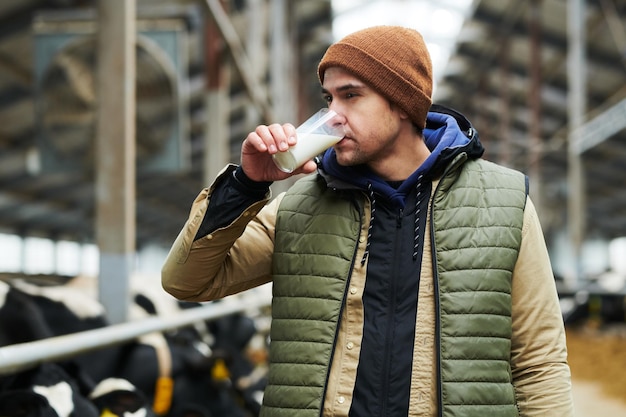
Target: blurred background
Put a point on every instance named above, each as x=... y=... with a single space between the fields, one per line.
x=114 y=114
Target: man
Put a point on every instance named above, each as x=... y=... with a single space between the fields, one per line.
x=410 y=277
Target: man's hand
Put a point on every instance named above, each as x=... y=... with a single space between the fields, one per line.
x=259 y=146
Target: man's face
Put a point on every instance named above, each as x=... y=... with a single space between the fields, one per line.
x=372 y=123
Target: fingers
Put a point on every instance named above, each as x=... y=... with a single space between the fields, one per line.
x=258 y=148
x=273 y=138
x=307 y=168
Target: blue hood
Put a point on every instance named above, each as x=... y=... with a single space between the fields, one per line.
x=447 y=134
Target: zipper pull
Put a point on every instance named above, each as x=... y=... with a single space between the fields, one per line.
x=399 y=219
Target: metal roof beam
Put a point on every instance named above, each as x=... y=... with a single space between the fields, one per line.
x=600 y=128
x=240 y=58
x=548 y=39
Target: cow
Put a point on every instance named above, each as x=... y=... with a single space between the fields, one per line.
x=118 y=397
x=233 y=334
x=21 y=320
x=176 y=376
x=36 y=312
x=46 y=390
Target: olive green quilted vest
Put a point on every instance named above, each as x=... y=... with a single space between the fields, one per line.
x=478 y=230
x=316 y=238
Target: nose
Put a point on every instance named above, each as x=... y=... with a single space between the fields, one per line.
x=340 y=117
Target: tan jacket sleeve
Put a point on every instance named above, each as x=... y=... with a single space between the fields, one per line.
x=229 y=260
x=541 y=374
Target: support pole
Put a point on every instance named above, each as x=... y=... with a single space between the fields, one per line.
x=217 y=136
x=115 y=154
x=504 y=139
x=534 y=157
x=283 y=74
x=576 y=70
x=255 y=43
x=241 y=60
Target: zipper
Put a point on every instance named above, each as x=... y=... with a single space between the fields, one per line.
x=391 y=318
x=433 y=251
x=437 y=312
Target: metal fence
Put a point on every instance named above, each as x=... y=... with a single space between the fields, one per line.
x=21 y=356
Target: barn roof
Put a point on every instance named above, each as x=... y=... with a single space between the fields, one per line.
x=504 y=46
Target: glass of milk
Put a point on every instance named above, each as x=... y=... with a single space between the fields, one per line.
x=318 y=133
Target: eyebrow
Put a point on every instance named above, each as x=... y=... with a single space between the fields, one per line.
x=345 y=87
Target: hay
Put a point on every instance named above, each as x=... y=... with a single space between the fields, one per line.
x=598 y=354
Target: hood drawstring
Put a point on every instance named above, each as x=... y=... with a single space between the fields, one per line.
x=416 y=230
x=370 y=191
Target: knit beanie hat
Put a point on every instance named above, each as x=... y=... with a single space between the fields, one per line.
x=393 y=60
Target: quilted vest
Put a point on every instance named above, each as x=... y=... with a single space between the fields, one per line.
x=317 y=231
x=316 y=239
x=477 y=228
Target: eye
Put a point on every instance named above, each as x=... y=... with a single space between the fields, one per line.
x=327 y=98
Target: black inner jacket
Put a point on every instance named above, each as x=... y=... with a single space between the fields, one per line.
x=383 y=380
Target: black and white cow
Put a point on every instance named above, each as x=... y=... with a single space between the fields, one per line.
x=49 y=391
x=118 y=397
x=46 y=390
x=194 y=385
x=21 y=320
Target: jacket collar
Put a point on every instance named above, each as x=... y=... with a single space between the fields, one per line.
x=448 y=135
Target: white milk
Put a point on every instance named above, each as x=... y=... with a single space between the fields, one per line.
x=308 y=146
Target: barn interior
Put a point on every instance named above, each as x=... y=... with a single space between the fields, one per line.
x=543 y=81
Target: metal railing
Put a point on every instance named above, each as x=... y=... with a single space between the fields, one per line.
x=22 y=356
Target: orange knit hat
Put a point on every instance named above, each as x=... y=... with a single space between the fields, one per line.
x=393 y=60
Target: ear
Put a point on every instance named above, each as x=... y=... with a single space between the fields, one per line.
x=403 y=115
